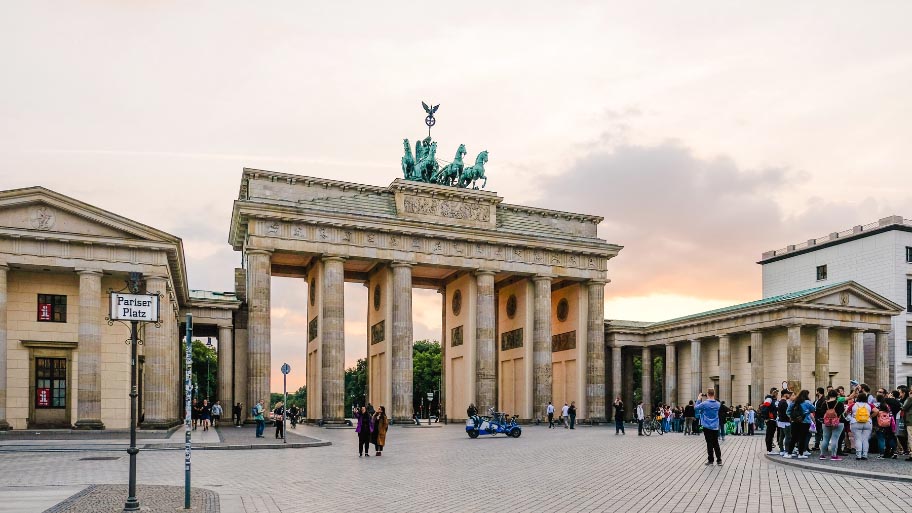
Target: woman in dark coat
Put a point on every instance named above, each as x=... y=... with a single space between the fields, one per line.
x=381 y=424
x=364 y=429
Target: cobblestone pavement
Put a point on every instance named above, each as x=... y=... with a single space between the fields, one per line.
x=442 y=470
x=152 y=499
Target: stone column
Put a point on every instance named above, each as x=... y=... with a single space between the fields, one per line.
x=259 y=277
x=757 y=383
x=857 y=362
x=226 y=367
x=333 y=339
x=158 y=391
x=646 y=377
x=443 y=353
x=822 y=358
x=882 y=360
x=617 y=371
x=793 y=358
x=696 y=370
x=595 y=349
x=401 y=344
x=541 y=346
x=4 y=271
x=725 y=378
x=629 y=405
x=671 y=375
x=91 y=315
x=485 y=350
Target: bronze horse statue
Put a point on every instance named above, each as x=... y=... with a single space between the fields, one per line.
x=476 y=172
x=452 y=173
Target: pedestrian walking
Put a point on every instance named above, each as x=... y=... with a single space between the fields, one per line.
x=236 y=413
x=619 y=416
x=689 y=415
x=258 y=412
x=381 y=425
x=364 y=429
x=278 y=415
x=707 y=409
x=572 y=413
x=216 y=413
x=205 y=414
x=195 y=414
x=565 y=415
x=550 y=411
x=640 y=417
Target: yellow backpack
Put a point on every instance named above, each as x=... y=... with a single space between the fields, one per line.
x=862 y=414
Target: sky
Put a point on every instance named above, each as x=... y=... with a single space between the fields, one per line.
x=704 y=132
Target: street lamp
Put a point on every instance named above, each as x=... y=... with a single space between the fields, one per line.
x=208 y=360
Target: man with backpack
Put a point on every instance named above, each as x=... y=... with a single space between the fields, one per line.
x=783 y=423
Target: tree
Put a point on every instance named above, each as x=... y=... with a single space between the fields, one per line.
x=426 y=364
x=203 y=369
x=356 y=385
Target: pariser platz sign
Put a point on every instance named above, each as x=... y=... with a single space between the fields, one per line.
x=134 y=307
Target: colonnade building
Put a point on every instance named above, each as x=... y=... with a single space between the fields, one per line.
x=522 y=318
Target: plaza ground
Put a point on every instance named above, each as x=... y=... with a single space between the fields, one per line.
x=441 y=469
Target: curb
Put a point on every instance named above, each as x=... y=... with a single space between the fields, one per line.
x=835 y=470
x=173 y=447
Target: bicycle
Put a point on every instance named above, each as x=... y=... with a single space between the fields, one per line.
x=651 y=424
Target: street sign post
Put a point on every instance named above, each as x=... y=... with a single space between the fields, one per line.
x=430 y=396
x=136 y=308
x=188 y=393
x=285 y=370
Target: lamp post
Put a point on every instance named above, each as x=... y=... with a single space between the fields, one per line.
x=208 y=361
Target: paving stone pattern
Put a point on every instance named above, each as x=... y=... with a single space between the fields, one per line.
x=442 y=470
x=152 y=499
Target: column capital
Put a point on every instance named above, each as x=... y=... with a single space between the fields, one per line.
x=859 y=330
x=98 y=272
x=756 y=331
x=723 y=335
x=162 y=277
x=598 y=281
x=332 y=258
x=543 y=277
x=883 y=332
x=258 y=251
x=225 y=326
x=484 y=272
x=401 y=263
x=4 y=266
x=670 y=344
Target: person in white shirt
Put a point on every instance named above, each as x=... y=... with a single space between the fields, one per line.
x=640 y=417
x=565 y=414
x=550 y=412
x=216 y=413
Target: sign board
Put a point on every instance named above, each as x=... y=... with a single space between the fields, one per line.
x=286 y=368
x=44 y=312
x=430 y=396
x=134 y=307
x=44 y=397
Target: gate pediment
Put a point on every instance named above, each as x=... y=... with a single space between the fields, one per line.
x=439 y=203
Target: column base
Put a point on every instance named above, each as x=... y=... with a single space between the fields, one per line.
x=595 y=421
x=89 y=424
x=4 y=425
x=160 y=424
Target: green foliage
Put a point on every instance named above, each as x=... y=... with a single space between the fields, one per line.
x=204 y=369
x=298 y=398
x=658 y=380
x=356 y=385
x=426 y=361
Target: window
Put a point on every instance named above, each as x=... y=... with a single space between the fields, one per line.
x=50 y=382
x=909 y=254
x=718 y=357
x=749 y=395
x=909 y=381
x=749 y=356
x=908 y=347
x=909 y=295
x=51 y=308
x=821 y=272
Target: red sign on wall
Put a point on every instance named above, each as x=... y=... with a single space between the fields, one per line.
x=44 y=312
x=44 y=397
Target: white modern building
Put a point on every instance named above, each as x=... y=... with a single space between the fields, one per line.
x=877 y=256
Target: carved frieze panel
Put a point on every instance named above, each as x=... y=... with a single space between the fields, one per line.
x=378 y=332
x=511 y=339
x=312 y=329
x=456 y=336
x=563 y=341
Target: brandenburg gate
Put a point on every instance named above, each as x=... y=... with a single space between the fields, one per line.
x=522 y=288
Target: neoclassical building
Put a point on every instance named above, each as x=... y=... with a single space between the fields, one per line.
x=807 y=339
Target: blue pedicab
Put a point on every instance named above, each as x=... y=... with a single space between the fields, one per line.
x=496 y=423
